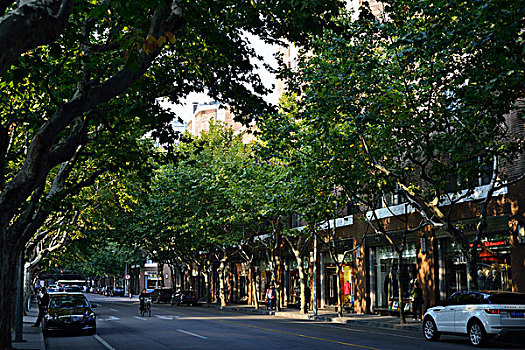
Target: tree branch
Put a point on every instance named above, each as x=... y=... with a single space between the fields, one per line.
x=29 y=26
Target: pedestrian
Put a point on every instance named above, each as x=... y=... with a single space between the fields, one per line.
x=43 y=301
x=307 y=297
x=417 y=301
x=271 y=295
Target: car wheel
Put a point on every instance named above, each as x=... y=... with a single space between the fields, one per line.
x=477 y=334
x=430 y=331
x=92 y=331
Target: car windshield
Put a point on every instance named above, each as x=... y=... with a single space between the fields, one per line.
x=507 y=298
x=68 y=301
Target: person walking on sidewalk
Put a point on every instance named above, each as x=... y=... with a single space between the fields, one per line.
x=417 y=301
x=271 y=295
x=43 y=301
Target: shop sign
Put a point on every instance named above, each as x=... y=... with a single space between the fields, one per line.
x=387 y=252
x=487 y=244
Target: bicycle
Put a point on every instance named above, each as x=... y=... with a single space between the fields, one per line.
x=146 y=310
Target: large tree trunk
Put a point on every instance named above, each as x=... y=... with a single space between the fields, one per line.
x=209 y=282
x=402 y=319
x=302 y=280
x=253 y=286
x=28 y=284
x=471 y=258
x=222 y=283
x=8 y=277
x=339 y=299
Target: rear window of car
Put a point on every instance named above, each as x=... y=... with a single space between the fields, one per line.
x=507 y=298
x=68 y=301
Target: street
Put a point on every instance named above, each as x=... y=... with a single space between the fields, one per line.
x=173 y=327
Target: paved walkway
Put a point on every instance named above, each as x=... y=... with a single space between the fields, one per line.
x=32 y=336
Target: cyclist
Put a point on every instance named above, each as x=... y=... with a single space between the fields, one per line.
x=142 y=298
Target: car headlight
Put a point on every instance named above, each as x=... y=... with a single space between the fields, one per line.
x=90 y=315
x=49 y=317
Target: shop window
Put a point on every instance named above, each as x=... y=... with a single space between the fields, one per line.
x=494 y=268
x=387 y=283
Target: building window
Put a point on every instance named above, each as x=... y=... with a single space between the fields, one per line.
x=388 y=199
x=296 y=221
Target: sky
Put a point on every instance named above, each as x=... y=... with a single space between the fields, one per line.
x=266 y=51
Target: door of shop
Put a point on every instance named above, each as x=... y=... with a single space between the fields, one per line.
x=331 y=286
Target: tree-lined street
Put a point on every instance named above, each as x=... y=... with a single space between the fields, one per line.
x=121 y=327
x=389 y=177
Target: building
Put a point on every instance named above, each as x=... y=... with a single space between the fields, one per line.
x=213 y=112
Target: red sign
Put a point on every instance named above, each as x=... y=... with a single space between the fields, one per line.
x=493 y=243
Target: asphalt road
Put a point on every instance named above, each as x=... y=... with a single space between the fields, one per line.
x=119 y=326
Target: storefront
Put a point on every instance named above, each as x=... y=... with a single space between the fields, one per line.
x=494 y=265
x=385 y=267
x=346 y=280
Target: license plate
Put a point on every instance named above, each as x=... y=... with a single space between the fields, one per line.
x=515 y=314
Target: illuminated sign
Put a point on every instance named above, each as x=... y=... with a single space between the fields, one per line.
x=493 y=243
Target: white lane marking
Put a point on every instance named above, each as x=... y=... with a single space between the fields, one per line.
x=141 y=318
x=170 y=317
x=375 y=332
x=103 y=342
x=193 y=334
x=109 y=318
x=113 y=310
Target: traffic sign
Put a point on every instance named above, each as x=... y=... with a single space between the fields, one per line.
x=128 y=277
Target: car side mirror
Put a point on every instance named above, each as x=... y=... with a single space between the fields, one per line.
x=94 y=305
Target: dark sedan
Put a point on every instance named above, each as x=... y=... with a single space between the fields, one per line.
x=162 y=295
x=117 y=292
x=69 y=312
x=187 y=297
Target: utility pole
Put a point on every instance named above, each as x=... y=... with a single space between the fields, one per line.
x=126 y=280
x=314 y=302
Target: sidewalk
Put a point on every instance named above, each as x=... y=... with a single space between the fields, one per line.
x=331 y=316
x=32 y=336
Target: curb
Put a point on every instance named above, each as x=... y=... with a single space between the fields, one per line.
x=407 y=327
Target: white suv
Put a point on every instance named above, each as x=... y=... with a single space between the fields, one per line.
x=476 y=314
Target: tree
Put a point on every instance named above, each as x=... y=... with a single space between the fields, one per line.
x=424 y=112
x=77 y=62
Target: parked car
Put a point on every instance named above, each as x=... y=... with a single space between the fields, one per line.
x=70 y=289
x=117 y=292
x=162 y=295
x=187 y=297
x=69 y=312
x=479 y=315
x=53 y=289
